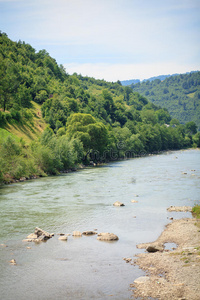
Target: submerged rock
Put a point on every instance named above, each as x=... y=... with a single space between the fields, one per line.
x=106 y=236
x=117 y=203
x=89 y=232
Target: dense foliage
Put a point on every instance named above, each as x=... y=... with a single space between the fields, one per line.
x=180 y=94
x=88 y=120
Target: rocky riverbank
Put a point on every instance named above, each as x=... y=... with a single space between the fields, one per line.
x=175 y=273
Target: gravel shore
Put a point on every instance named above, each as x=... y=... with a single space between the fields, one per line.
x=175 y=273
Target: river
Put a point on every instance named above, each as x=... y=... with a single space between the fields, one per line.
x=85 y=268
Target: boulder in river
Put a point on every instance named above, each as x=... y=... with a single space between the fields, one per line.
x=106 y=236
x=38 y=236
x=117 y=203
x=154 y=247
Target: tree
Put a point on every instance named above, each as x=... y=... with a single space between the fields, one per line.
x=91 y=133
x=191 y=127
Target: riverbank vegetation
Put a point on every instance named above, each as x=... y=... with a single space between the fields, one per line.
x=196 y=211
x=51 y=121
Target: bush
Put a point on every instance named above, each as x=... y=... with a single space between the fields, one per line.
x=15 y=115
x=196 y=211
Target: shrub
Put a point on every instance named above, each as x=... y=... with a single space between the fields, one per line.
x=196 y=211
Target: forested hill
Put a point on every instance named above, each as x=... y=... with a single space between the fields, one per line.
x=179 y=94
x=51 y=122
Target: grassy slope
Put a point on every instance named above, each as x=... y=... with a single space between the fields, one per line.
x=29 y=131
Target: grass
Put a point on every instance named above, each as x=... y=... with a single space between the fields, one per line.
x=28 y=131
x=4 y=134
x=191 y=95
x=196 y=211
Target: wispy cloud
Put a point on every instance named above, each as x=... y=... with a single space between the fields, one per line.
x=114 y=72
x=114 y=32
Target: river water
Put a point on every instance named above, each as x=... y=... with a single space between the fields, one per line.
x=85 y=268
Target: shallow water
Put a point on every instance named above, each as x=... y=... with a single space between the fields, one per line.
x=85 y=268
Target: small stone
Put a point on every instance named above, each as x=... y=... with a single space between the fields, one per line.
x=77 y=233
x=89 y=232
x=134 y=201
x=117 y=203
x=141 y=279
x=13 y=262
x=127 y=259
x=63 y=238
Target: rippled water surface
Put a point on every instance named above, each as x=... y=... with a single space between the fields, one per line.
x=85 y=268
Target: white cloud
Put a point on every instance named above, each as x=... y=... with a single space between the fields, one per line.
x=139 y=33
x=114 y=72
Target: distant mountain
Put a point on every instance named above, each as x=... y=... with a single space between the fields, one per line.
x=129 y=82
x=161 y=77
x=180 y=94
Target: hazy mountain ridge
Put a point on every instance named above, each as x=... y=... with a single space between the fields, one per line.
x=161 y=77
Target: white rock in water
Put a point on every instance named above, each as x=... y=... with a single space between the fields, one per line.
x=13 y=262
x=77 y=233
x=63 y=238
x=117 y=203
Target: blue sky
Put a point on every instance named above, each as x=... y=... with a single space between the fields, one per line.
x=109 y=39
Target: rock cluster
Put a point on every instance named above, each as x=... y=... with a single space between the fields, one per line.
x=39 y=235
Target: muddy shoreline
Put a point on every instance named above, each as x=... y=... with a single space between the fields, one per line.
x=174 y=273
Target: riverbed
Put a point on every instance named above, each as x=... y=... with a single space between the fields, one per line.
x=85 y=268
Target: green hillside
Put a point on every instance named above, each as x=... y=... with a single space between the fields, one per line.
x=179 y=94
x=51 y=122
